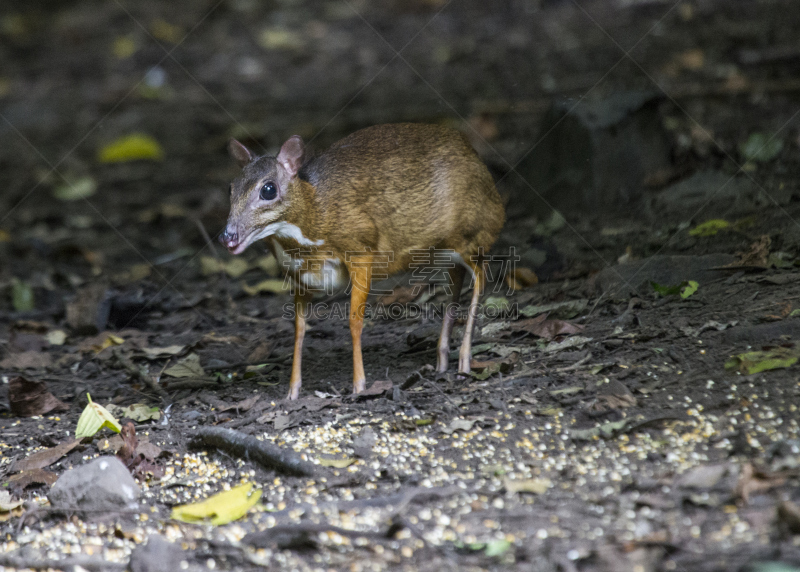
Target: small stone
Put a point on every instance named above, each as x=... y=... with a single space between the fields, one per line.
x=158 y=555
x=102 y=485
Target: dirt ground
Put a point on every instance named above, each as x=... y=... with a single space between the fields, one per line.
x=632 y=408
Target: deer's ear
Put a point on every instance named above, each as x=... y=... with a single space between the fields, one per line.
x=291 y=155
x=239 y=152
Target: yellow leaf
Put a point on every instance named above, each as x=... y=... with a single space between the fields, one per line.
x=535 y=486
x=111 y=340
x=220 y=508
x=280 y=39
x=233 y=268
x=163 y=30
x=132 y=147
x=4 y=236
x=274 y=285
x=124 y=47
x=269 y=265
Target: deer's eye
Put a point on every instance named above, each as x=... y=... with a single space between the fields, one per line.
x=268 y=192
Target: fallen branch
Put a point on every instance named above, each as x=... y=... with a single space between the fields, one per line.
x=276 y=534
x=192 y=383
x=269 y=456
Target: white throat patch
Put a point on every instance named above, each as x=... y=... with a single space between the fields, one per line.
x=287 y=230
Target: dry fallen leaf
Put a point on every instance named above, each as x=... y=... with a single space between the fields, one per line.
x=752 y=480
x=168 y=351
x=27 y=360
x=28 y=398
x=377 y=389
x=46 y=457
x=789 y=515
x=34 y=477
x=261 y=352
x=757 y=256
x=521 y=277
x=547 y=329
x=187 y=367
x=243 y=405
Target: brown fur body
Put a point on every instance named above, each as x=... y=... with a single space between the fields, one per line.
x=384 y=189
x=402 y=187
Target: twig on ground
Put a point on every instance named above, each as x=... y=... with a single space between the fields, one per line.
x=268 y=455
x=574 y=366
x=192 y=383
x=139 y=373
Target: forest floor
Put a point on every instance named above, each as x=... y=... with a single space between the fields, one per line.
x=633 y=410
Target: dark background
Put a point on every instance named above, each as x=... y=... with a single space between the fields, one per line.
x=637 y=120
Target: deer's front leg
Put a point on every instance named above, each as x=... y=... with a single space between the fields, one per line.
x=302 y=302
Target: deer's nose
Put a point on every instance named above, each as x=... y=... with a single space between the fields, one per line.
x=229 y=238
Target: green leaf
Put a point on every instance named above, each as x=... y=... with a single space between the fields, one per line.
x=94 y=418
x=665 y=290
x=496 y=547
x=684 y=289
x=134 y=147
x=498 y=302
x=137 y=412
x=220 y=508
x=73 y=190
x=22 y=298
x=487 y=372
x=688 y=288
x=756 y=362
x=761 y=147
x=553 y=224
x=710 y=227
x=605 y=431
x=773 y=567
